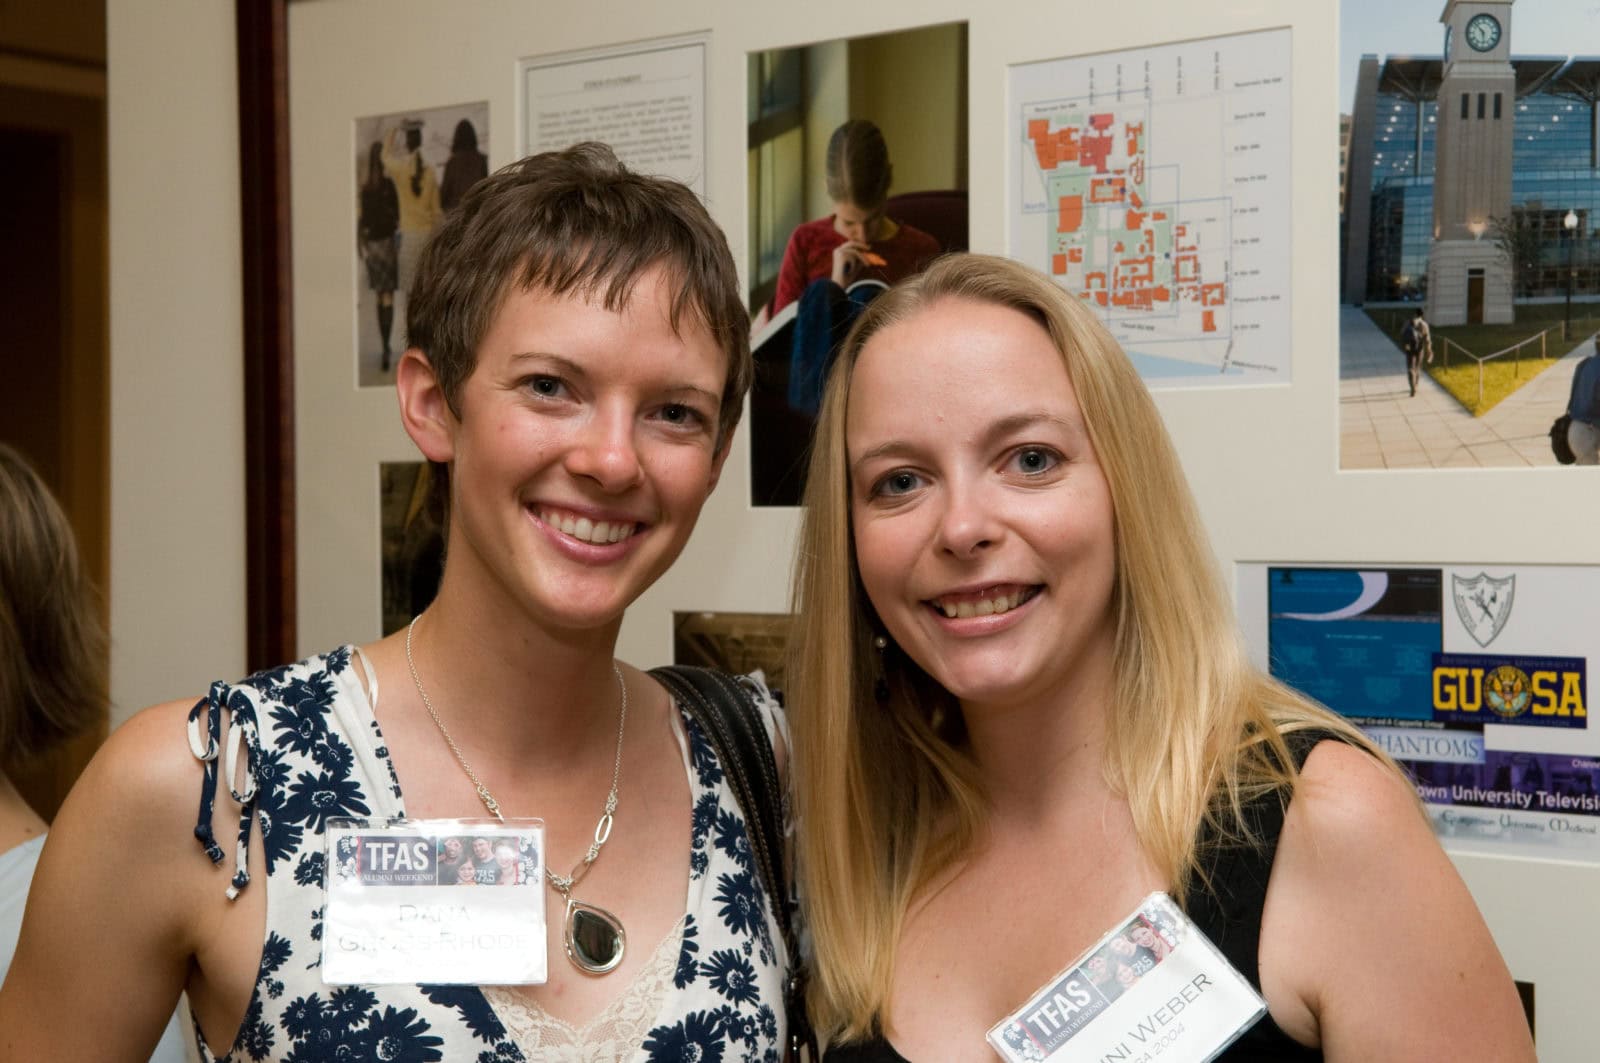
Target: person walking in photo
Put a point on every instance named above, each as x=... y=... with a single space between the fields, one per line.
x=1583 y=433
x=1416 y=340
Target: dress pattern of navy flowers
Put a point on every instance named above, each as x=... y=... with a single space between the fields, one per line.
x=315 y=752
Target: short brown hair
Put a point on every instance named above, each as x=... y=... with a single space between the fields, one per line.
x=52 y=642
x=574 y=221
x=858 y=169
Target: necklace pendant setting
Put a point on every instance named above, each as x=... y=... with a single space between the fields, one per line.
x=593 y=937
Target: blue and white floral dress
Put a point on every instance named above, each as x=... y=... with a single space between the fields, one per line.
x=713 y=990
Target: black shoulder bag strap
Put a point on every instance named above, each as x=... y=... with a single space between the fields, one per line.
x=722 y=706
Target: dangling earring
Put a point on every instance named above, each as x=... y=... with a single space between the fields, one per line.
x=880 y=685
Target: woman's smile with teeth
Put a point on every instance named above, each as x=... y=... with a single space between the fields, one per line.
x=586 y=530
x=960 y=607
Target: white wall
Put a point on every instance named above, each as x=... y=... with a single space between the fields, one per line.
x=827 y=108
x=177 y=435
x=1264 y=462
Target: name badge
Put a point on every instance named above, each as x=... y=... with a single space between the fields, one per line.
x=436 y=901
x=1154 y=988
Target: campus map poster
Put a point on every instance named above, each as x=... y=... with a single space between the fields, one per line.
x=1155 y=185
x=1474 y=677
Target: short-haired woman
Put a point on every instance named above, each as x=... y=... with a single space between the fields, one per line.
x=579 y=361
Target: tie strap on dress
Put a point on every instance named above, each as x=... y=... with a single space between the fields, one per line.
x=242 y=764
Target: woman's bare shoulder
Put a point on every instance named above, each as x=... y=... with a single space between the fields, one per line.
x=1371 y=943
x=146 y=763
x=133 y=811
x=118 y=902
x=1343 y=787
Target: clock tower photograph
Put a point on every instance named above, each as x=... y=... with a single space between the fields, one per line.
x=1469 y=216
x=1469 y=281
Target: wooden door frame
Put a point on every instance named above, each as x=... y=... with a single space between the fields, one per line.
x=263 y=51
x=68 y=101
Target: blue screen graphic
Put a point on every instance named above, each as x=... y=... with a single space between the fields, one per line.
x=1360 y=641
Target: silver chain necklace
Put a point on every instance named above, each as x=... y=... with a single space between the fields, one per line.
x=589 y=929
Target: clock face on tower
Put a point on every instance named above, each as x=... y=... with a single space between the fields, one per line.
x=1483 y=32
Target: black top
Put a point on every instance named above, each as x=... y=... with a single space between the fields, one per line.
x=380 y=210
x=1229 y=914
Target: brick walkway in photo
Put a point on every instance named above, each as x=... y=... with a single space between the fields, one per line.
x=1381 y=426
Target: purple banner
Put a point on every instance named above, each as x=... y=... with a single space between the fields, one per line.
x=1530 y=782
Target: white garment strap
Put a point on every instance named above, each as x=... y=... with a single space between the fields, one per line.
x=242 y=743
x=203 y=746
x=241 y=738
x=371 y=675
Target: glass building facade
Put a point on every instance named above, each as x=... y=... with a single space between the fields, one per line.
x=1554 y=171
x=1402 y=196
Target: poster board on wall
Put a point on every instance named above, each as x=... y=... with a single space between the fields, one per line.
x=408 y=168
x=1470 y=229
x=1474 y=677
x=646 y=100
x=876 y=99
x=1154 y=184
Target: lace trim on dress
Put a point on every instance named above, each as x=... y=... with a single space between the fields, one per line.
x=611 y=1036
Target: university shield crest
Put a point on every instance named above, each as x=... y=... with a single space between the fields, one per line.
x=1484 y=604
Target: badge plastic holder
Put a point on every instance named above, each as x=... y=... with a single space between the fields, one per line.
x=1153 y=988
x=436 y=901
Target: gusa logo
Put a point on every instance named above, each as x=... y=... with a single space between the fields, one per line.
x=1506 y=691
x=1541 y=691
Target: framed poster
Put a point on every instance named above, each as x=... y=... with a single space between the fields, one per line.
x=409 y=169
x=647 y=101
x=413 y=540
x=739 y=643
x=1469 y=216
x=1474 y=677
x=857 y=140
x=1154 y=184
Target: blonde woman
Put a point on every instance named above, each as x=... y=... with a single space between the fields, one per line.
x=1026 y=706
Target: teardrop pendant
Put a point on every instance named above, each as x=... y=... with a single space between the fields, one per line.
x=594 y=938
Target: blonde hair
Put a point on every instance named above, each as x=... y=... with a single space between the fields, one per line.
x=887 y=795
x=52 y=642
